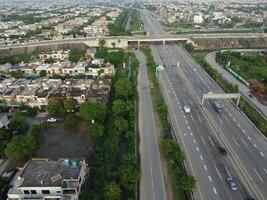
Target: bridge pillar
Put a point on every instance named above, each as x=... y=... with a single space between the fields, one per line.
x=164 y=41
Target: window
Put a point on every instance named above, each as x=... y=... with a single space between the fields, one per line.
x=59 y=192
x=45 y=192
x=26 y=191
x=33 y=192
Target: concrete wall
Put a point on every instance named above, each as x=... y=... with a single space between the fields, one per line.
x=225 y=43
x=42 y=48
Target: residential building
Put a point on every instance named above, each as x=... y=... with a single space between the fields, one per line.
x=45 y=179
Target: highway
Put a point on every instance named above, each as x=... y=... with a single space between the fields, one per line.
x=201 y=132
x=152 y=185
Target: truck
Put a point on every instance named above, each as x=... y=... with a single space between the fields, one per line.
x=217 y=107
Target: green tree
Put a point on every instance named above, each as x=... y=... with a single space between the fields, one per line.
x=112 y=192
x=102 y=43
x=186 y=182
x=123 y=88
x=121 y=125
x=50 y=60
x=96 y=130
x=129 y=176
x=70 y=104
x=118 y=107
x=76 y=54
x=18 y=148
x=18 y=124
x=71 y=119
x=168 y=148
x=42 y=73
x=93 y=111
x=101 y=71
x=55 y=107
x=189 y=47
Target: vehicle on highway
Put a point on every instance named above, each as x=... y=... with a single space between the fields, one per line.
x=187 y=109
x=217 y=107
x=231 y=183
x=222 y=151
x=51 y=119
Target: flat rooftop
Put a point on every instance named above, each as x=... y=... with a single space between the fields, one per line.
x=48 y=173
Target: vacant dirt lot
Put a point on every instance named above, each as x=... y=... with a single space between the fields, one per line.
x=60 y=141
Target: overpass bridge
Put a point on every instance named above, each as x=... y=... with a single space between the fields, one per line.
x=126 y=41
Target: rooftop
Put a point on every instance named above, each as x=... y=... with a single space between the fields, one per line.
x=48 y=173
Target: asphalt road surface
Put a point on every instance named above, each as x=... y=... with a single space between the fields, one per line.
x=246 y=159
x=152 y=183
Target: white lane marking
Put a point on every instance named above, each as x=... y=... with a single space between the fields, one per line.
x=185 y=134
x=244 y=142
x=228 y=171
x=202 y=140
x=194 y=141
x=188 y=127
x=198 y=117
x=236 y=142
x=262 y=154
x=186 y=121
x=227 y=120
x=218 y=173
x=205 y=167
x=255 y=146
x=197 y=149
x=193 y=119
x=249 y=138
x=201 y=158
x=258 y=175
x=234 y=119
x=191 y=134
x=265 y=171
x=238 y=125
x=230 y=114
x=152 y=183
x=210 y=178
x=215 y=191
x=243 y=131
x=211 y=141
x=184 y=116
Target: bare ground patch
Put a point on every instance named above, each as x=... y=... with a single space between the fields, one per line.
x=60 y=141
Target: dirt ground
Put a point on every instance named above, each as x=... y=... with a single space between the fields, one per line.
x=60 y=141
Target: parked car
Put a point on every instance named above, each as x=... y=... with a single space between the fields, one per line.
x=231 y=183
x=51 y=119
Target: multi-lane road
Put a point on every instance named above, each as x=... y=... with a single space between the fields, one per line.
x=201 y=132
x=152 y=185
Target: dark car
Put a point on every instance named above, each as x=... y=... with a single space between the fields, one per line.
x=222 y=151
x=231 y=183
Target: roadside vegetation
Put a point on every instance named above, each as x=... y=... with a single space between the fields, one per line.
x=245 y=106
x=114 y=166
x=182 y=183
x=251 y=66
x=136 y=22
x=118 y=27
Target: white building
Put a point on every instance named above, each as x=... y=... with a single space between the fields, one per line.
x=46 y=179
x=198 y=19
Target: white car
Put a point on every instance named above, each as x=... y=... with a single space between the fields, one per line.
x=51 y=119
x=186 y=109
